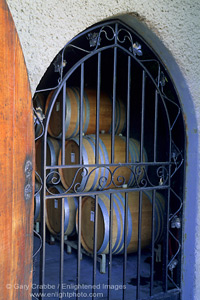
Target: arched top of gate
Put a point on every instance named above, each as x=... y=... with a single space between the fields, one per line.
x=113 y=33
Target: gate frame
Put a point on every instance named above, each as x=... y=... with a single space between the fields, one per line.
x=191 y=178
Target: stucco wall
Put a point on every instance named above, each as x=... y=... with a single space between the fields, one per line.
x=44 y=27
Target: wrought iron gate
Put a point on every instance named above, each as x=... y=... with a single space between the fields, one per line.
x=125 y=152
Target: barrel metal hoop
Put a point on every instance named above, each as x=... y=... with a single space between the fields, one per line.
x=106 y=226
x=129 y=224
x=87 y=114
x=68 y=113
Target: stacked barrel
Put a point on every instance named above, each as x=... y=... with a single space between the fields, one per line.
x=89 y=114
x=101 y=175
x=118 y=226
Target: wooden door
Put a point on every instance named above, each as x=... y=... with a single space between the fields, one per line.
x=16 y=165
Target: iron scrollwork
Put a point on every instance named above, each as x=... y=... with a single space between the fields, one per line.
x=122 y=35
x=111 y=178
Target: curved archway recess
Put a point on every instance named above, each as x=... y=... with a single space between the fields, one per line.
x=149 y=54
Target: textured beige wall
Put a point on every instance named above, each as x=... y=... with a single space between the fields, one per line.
x=44 y=27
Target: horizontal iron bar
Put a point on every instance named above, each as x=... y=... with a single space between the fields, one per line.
x=110 y=165
x=111 y=191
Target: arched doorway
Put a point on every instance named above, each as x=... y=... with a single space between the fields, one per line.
x=112 y=96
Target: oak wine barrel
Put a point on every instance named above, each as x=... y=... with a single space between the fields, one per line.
x=17 y=165
x=53 y=149
x=92 y=178
x=87 y=225
x=53 y=212
x=89 y=113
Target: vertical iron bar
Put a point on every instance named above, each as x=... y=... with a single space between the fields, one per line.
x=96 y=162
x=61 y=249
x=62 y=200
x=167 y=207
x=80 y=161
x=127 y=159
x=125 y=243
x=43 y=214
x=63 y=123
x=139 y=245
x=140 y=193
x=166 y=259
x=155 y=125
x=81 y=114
x=128 y=109
x=142 y=117
x=110 y=247
x=79 y=247
x=152 y=242
x=112 y=159
x=98 y=108
x=153 y=198
x=95 y=247
x=114 y=97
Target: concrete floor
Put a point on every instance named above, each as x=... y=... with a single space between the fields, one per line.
x=70 y=276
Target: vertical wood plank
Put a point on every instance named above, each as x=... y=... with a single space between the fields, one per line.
x=16 y=149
